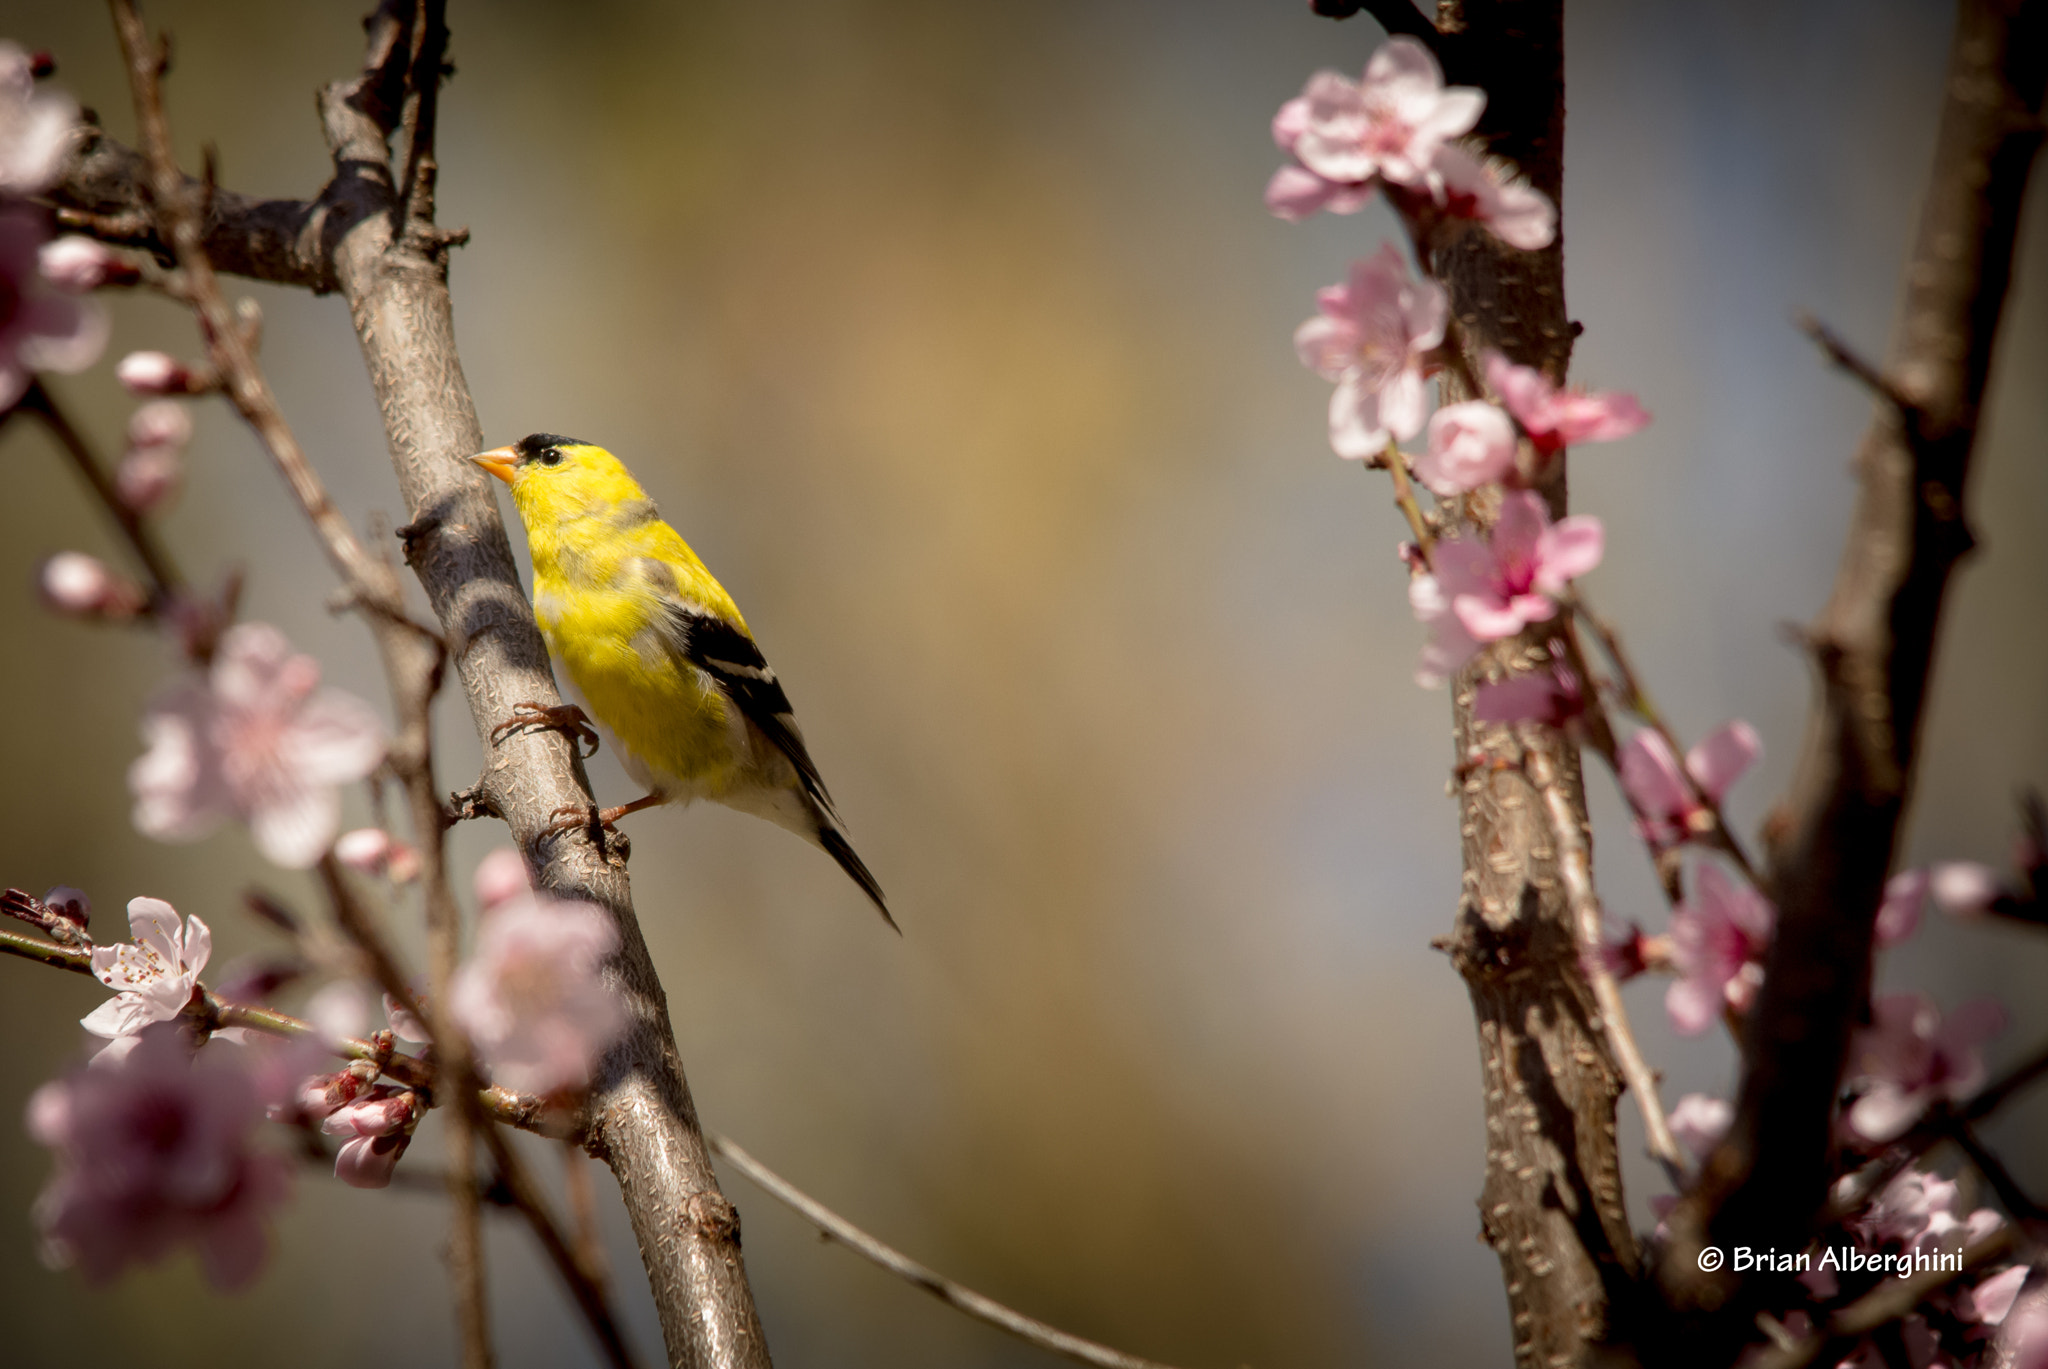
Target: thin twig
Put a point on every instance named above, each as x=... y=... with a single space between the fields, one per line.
x=2017 y=1202
x=1848 y=359
x=1396 y=463
x=1639 y=702
x=974 y=1304
x=156 y=561
x=1575 y=864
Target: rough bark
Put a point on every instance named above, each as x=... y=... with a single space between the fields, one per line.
x=1551 y=1205
x=1833 y=838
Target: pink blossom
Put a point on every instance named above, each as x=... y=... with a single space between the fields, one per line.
x=1963 y=888
x=1470 y=445
x=1990 y=1301
x=1898 y=917
x=500 y=878
x=154 y=975
x=379 y=1127
x=1388 y=125
x=1553 y=697
x=1718 y=940
x=1555 y=419
x=41 y=329
x=1372 y=337
x=82 y=586
x=79 y=264
x=1483 y=591
x=2023 y=1336
x=532 y=998
x=70 y=904
x=160 y=373
x=257 y=739
x=1468 y=187
x=35 y=126
x=1909 y=1058
x=1663 y=798
x=1918 y=1211
x=373 y=851
x=152 y=1152
x=1698 y=1122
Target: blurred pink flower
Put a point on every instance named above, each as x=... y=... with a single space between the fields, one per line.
x=159 y=373
x=1475 y=188
x=500 y=878
x=2023 y=1336
x=532 y=998
x=35 y=126
x=1699 y=1121
x=81 y=586
x=379 y=1127
x=257 y=739
x=1553 y=697
x=41 y=328
x=1718 y=940
x=1990 y=1301
x=1388 y=125
x=150 y=472
x=79 y=264
x=1898 y=917
x=1483 y=591
x=1909 y=1058
x=1666 y=810
x=1470 y=445
x=153 y=976
x=152 y=1152
x=1554 y=418
x=1963 y=888
x=1372 y=337
x=373 y=851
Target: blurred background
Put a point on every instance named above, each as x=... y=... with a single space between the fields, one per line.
x=956 y=339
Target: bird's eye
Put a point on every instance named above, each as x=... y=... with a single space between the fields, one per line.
x=551 y=457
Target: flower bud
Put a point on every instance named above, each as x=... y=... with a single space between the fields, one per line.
x=84 y=586
x=160 y=373
x=79 y=264
x=160 y=423
x=500 y=878
x=148 y=477
x=70 y=904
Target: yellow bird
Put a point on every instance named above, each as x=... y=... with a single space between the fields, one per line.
x=657 y=650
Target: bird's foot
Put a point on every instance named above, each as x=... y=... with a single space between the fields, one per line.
x=564 y=718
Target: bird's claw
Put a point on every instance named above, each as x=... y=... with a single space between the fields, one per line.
x=564 y=718
x=571 y=816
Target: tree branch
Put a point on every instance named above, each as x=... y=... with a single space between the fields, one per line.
x=1837 y=829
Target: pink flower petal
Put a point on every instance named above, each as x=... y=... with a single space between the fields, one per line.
x=1569 y=549
x=1898 y=917
x=1718 y=761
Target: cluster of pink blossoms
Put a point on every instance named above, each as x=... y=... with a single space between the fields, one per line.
x=1380 y=335
x=1395 y=130
x=154 y=1139
x=258 y=739
x=44 y=325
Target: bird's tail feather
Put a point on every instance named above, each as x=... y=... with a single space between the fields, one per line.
x=840 y=849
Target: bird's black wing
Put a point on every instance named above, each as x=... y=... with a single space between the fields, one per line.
x=729 y=656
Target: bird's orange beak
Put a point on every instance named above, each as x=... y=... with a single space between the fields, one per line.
x=499 y=461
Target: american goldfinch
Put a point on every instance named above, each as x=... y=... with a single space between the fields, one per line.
x=657 y=650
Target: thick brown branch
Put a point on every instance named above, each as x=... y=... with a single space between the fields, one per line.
x=1836 y=832
x=391 y=266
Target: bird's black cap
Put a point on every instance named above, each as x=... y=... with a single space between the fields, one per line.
x=533 y=444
